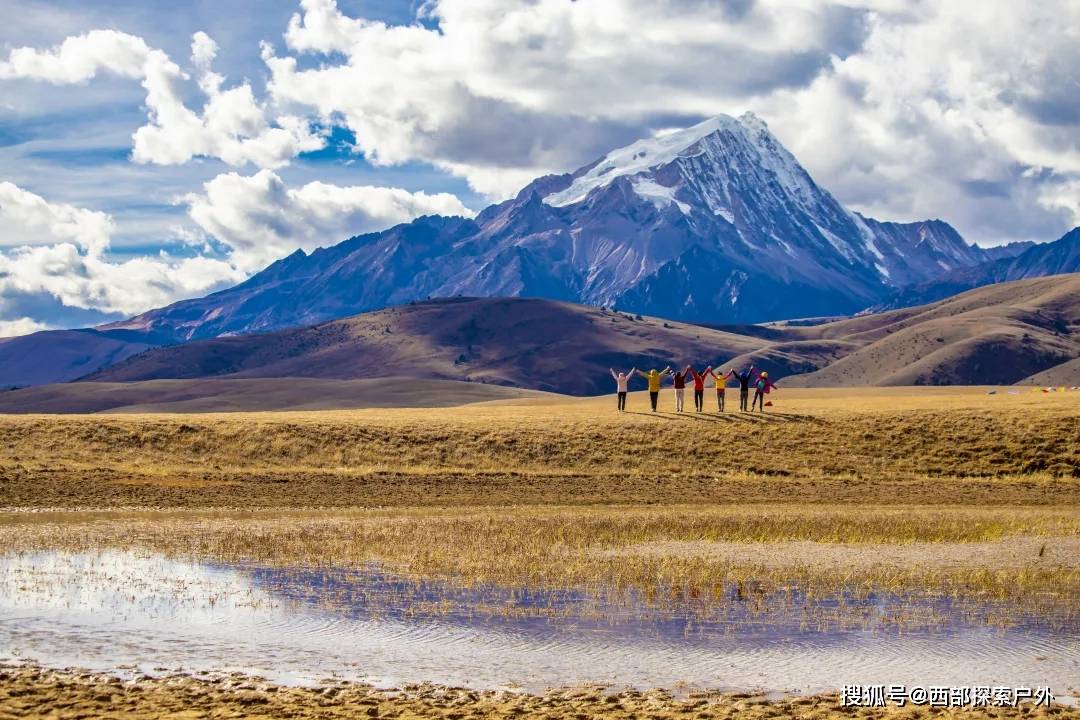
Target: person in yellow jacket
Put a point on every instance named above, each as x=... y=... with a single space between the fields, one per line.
x=654 y=378
x=720 y=380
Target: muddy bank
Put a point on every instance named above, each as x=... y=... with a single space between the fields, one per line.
x=33 y=692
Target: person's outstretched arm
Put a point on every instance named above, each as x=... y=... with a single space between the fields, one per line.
x=613 y=373
x=644 y=375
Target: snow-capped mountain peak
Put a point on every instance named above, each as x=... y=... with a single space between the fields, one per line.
x=715 y=223
x=648 y=154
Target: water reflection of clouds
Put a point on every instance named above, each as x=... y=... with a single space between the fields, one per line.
x=107 y=609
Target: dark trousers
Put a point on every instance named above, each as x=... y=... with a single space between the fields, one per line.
x=699 y=400
x=720 y=401
x=759 y=400
x=652 y=399
x=744 y=395
x=622 y=401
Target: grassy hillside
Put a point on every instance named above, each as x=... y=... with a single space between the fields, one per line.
x=993 y=335
x=1024 y=331
x=539 y=344
x=251 y=395
x=61 y=355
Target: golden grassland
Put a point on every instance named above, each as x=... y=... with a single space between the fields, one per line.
x=950 y=492
x=70 y=694
x=566 y=492
x=920 y=447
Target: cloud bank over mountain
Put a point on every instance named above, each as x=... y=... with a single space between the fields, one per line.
x=261 y=219
x=344 y=121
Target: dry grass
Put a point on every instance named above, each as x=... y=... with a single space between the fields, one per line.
x=569 y=493
x=925 y=447
x=1024 y=557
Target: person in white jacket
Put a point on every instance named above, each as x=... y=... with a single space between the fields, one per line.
x=622 y=381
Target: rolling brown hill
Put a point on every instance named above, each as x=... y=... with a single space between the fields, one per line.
x=1024 y=331
x=538 y=344
x=62 y=355
x=252 y=395
x=998 y=334
x=1067 y=373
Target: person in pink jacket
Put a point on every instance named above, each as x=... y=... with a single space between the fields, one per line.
x=762 y=387
x=622 y=384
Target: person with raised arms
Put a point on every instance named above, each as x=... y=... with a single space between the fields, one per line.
x=699 y=386
x=721 y=385
x=622 y=381
x=679 y=380
x=762 y=387
x=654 y=379
x=744 y=386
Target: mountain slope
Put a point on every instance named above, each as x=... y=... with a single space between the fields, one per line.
x=1067 y=374
x=1000 y=334
x=714 y=224
x=61 y=355
x=1053 y=258
x=538 y=344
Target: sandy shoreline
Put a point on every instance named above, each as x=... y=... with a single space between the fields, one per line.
x=29 y=692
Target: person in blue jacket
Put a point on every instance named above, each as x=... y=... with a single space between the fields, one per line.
x=744 y=386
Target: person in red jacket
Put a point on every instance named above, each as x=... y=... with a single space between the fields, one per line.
x=699 y=386
x=762 y=387
x=721 y=384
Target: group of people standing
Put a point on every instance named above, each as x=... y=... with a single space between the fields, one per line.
x=760 y=381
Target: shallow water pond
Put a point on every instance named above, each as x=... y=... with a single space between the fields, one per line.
x=126 y=612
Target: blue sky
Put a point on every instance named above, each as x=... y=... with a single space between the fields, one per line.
x=151 y=151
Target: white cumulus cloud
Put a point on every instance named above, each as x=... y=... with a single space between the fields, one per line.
x=67 y=261
x=501 y=91
x=967 y=111
x=21 y=326
x=80 y=58
x=27 y=219
x=261 y=219
x=233 y=126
